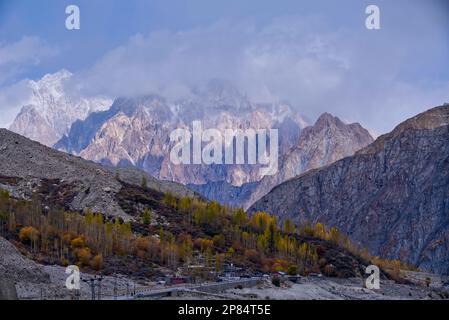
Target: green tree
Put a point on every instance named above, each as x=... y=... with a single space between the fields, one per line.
x=146 y=218
x=292 y=270
x=219 y=241
x=170 y=200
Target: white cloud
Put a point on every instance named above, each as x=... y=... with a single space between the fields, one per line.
x=12 y=99
x=272 y=61
x=16 y=57
x=353 y=73
x=350 y=73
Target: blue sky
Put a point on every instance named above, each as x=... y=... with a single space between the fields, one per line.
x=318 y=54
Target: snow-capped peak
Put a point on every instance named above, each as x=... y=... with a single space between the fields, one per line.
x=55 y=109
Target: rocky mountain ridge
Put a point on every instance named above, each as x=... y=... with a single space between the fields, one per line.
x=27 y=167
x=135 y=132
x=327 y=141
x=50 y=110
x=392 y=196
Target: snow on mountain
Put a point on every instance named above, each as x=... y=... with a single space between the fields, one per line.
x=51 y=110
x=135 y=132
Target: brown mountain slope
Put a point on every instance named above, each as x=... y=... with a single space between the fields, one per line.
x=27 y=166
x=392 y=196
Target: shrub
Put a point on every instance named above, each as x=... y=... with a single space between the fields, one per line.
x=219 y=241
x=64 y=262
x=97 y=262
x=77 y=243
x=253 y=256
x=276 y=281
x=280 y=265
x=293 y=270
x=146 y=218
x=83 y=255
x=67 y=237
x=28 y=234
x=170 y=200
x=142 y=244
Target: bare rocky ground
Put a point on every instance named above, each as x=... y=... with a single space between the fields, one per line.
x=340 y=289
x=315 y=288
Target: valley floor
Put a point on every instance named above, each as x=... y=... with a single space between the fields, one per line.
x=314 y=288
x=35 y=281
x=340 y=289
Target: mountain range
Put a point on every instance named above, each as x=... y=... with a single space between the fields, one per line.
x=392 y=196
x=57 y=209
x=323 y=143
x=50 y=110
x=134 y=132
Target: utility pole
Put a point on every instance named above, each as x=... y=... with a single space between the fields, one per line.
x=77 y=294
x=99 y=286
x=92 y=282
x=115 y=288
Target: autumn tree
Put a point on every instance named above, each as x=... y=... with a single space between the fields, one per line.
x=219 y=241
x=83 y=255
x=30 y=235
x=97 y=262
x=170 y=200
x=289 y=227
x=146 y=217
x=319 y=231
x=334 y=235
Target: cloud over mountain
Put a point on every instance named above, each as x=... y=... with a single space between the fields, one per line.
x=15 y=57
x=299 y=59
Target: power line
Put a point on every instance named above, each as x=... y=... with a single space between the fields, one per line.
x=96 y=280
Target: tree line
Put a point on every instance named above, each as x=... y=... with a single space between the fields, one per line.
x=89 y=240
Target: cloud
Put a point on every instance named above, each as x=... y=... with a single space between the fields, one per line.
x=12 y=99
x=15 y=59
x=27 y=52
x=351 y=73
x=316 y=63
x=276 y=62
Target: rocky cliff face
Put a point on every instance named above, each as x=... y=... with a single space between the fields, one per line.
x=392 y=196
x=136 y=132
x=225 y=193
x=327 y=141
x=27 y=167
x=50 y=111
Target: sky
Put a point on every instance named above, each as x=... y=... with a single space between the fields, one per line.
x=317 y=55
